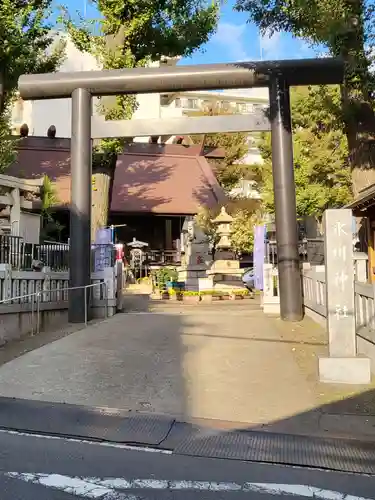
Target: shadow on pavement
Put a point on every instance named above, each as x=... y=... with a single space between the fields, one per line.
x=172 y=379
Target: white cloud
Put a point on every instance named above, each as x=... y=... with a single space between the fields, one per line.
x=304 y=47
x=271 y=46
x=230 y=36
x=233 y=40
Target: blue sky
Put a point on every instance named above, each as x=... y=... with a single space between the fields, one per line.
x=235 y=40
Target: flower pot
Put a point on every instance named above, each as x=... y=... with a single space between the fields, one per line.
x=164 y=295
x=192 y=299
x=235 y=296
x=206 y=298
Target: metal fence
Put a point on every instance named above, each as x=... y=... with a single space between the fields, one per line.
x=59 y=294
x=25 y=256
x=52 y=255
x=271 y=251
x=12 y=251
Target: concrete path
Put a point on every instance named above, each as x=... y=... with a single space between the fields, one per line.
x=226 y=362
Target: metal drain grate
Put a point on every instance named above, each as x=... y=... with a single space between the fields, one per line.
x=335 y=454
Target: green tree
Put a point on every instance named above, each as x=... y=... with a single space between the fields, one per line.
x=322 y=172
x=228 y=170
x=27 y=43
x=245 y=212
x=346 y=29
x=26 y=46
x=129 y=34
x=7 y=143
x=51 y=228
x=242 y=235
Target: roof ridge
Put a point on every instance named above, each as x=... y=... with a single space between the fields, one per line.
x=208 y=172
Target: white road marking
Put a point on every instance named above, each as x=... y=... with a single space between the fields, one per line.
x=107 y=489
x=107 y=444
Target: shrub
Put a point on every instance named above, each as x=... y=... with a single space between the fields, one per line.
x=241 y=293
x=188 y=293
x=163 y=275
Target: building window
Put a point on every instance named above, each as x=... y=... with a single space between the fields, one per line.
x=207 y=105
x=241 y=107
x=192 y=104
x=177 y=102
x=225 y=105
x=249 y=108
x=164 y=99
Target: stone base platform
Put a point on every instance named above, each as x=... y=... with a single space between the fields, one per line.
x=345 y=370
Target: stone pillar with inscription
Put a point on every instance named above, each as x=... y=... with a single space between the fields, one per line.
x=342 y=365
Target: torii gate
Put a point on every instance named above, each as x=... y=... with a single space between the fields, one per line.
x=278 y=76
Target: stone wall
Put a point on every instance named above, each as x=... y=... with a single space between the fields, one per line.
x=31 y=302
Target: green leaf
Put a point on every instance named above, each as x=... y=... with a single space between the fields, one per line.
x=320 y=150
x=346 y=29
x=131 y=33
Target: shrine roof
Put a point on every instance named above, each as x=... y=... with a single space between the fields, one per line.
x=149 y=178
x=364 y=200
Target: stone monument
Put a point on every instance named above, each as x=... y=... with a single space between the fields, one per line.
x=342 y=365
x=196 y=258
x=225 y=270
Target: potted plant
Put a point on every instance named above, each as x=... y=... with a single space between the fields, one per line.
x=238 y=294
x=191 y=297
x=175 y=294
x=164 y=277
x=171 y=275
x=217 y=295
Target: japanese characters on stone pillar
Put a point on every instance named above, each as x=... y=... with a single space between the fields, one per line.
x=342 y=365
x=339 y=282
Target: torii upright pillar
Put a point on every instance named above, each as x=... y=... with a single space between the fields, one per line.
x=291 y=306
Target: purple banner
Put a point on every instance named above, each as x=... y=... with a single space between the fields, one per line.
x=259 y=254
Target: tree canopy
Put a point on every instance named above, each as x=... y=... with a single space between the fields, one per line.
x=7 y=143
x=26 y=46
x=51 y=228
x=346 y=29
x=322 y=172
x=26 y=41
x=131 y=33
x=229 y=170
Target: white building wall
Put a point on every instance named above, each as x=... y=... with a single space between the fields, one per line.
x=58 y=111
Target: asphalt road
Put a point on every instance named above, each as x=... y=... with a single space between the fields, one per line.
x=41 y=468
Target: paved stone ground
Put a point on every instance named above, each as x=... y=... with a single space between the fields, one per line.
x=225 y=362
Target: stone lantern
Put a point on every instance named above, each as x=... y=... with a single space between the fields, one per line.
x=225 y=271
x=223 y=222
x=137 y=256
